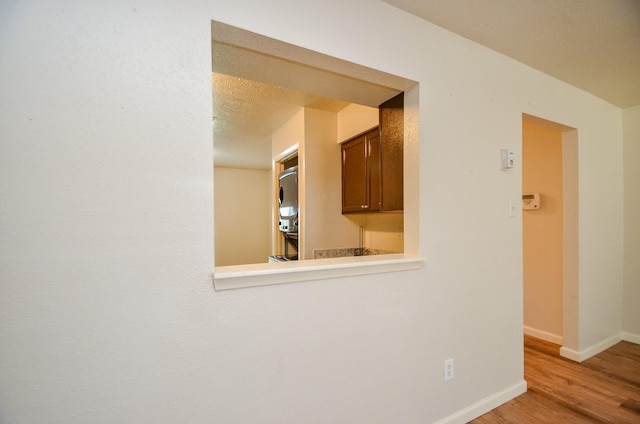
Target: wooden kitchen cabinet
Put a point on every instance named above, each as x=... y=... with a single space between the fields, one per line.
x=372 y=164
x=361 y=173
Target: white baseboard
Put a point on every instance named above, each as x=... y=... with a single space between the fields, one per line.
x=544 y=335
x=574 y=355
x=485 y=405
x=587 y=353
x=630 y=337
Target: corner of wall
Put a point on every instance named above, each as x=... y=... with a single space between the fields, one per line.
x=630 y=337
x=592 y=350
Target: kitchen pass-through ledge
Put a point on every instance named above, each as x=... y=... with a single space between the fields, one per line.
x=254 y=275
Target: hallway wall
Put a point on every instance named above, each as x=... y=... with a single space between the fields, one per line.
x=631 y=317
x=542 y=232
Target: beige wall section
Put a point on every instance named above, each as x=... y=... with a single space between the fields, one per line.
x=245 y=237
x=631 y=307
x=325 y=226
x=542 y=232
x=384 y=231
x=287 y=136
x=354 y=119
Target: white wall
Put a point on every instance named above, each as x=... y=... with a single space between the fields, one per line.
x=631 y=122
x=243 y=215
x=109 y=314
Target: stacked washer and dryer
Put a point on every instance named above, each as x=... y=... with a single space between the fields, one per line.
x=288 y=214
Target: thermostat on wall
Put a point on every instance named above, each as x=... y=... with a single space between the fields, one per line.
x=531 y=201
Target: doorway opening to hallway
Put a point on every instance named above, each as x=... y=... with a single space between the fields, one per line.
x=550 y=230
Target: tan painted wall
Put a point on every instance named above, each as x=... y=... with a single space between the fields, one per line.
x=542 y=232
x=325 y=226
x=354 y=119
x=242 y=216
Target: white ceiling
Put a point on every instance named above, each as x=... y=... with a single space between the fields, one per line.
x=591 y=44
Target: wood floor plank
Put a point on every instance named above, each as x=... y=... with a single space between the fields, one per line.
x=602 y=389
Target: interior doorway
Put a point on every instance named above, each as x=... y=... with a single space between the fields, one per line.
x=549 y=230
x=286 y=245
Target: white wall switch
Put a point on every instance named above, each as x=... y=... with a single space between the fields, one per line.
x=512 y=209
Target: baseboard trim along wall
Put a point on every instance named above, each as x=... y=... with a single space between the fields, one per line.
x=544 y=335
x=630 y=337
x=587 y=353
x=484 y=405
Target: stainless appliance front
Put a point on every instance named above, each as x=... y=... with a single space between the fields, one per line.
x=288 y=200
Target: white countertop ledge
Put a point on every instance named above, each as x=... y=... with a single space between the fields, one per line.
x=266 y=274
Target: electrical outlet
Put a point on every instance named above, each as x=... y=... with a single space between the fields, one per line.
x=448 y=369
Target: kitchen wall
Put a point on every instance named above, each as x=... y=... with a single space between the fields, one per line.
x=108 y=309
x=355 y=119
x=245 y=238
x=325 y=226
x=542 y=232
x=243 y=215
x=631 y=125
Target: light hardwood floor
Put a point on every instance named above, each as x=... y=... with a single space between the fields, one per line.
x=603 y=389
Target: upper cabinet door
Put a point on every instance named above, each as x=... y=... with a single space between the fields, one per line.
x=354 y=175
x=361 y=173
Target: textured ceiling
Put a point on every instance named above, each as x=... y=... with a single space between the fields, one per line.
x=247 y=113
x=591 y=44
